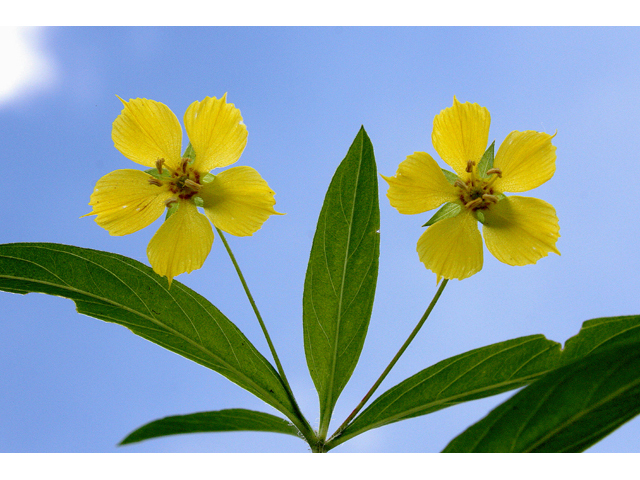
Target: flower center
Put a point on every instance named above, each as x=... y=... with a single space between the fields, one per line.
x=478 y=193
x=184 y=181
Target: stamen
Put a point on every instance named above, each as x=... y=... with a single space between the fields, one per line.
x=473 y=203
x=170 y=201
x=470 y=165
x=155 y=181
x=462 y=185
x=159 y=163
x=495 y=171
x=492 y=181
x=183 y=165
x=490 y=198
x=192 y=185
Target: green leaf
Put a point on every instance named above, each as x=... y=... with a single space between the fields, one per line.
x=567 y=410
x=230 y=420
x=121 y=290
x=602 y=333
x=341 y=276
x=487 y=371
x=475 y=374
x=450 y=176
x=448 y=210
x=486 y=162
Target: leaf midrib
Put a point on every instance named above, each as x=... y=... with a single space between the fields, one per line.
x=331 y=383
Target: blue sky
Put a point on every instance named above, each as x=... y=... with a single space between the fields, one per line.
x=75 y=384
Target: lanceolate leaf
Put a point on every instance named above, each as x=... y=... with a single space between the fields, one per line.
x=475 y=374
x=231 y=420
x=488 y=371
x=567 y=410
x=341 y=275
x=121 y=290
x=602 y=333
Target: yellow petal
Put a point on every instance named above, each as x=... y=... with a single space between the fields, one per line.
x=460 y=133
x=182 y=243
x=452 y=248
x=419 y=185
x=216 y=132
x=521 y=230
x=238 y=201
x=146 y=131
x=125 y=202
x=527 y=160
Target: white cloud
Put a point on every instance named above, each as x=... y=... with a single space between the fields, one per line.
x=25 y=66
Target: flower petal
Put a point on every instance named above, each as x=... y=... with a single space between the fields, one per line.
x=182 y=243
x=521 y=230
x=125 y=202
x=419 y=185
x=238 y=201
x=146 y=131
x=527 y=160
x=216 y=132
x=460 y=133
x=452 y=248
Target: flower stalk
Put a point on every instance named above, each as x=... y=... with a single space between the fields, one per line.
x=306 y=429
x=334 y=440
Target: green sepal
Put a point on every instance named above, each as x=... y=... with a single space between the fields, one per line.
x=450 y=176
x=189 y=153
x=208 y=178
x=486 y=163
x=155 y=174
x=448 y=210
x=171 y=210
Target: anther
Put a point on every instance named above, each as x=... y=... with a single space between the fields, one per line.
x=192 y=185
x=155 y=181
x=470 y=165
x=460 y=184
x=159 y=163
x=489 y=198
x=185 y=162
x=473 y=203
x=495 y=171
x=170 y=201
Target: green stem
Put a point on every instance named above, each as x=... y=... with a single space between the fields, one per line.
x=306 y=429
x=332 y=441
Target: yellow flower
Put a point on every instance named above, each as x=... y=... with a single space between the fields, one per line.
x=237 y=200
x=517 y=230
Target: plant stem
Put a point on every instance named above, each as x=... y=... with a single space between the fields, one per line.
x=309 y=434
x=395 y=359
